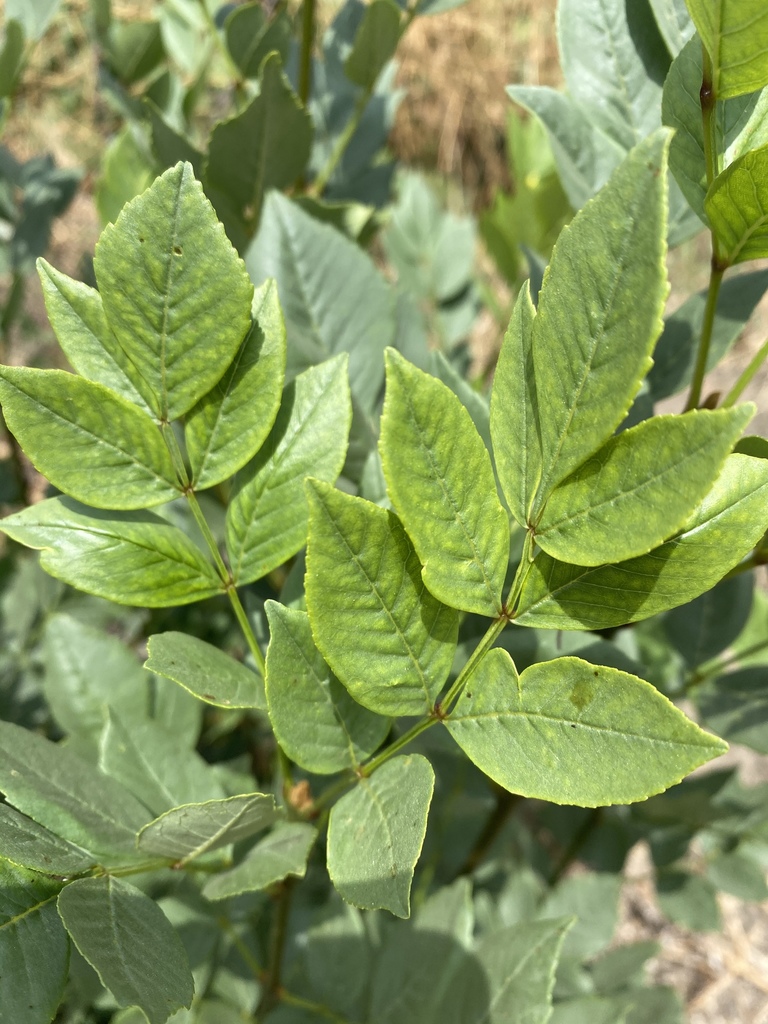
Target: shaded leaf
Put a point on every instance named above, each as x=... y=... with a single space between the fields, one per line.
x=251 y=36
x=736 y=707
x=210 y=674
x=281 y=853
x=375 y=43
x=688 y=899
x=703 y=628
x=29 y=845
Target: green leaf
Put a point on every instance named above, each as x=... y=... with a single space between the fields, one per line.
x=86 y=440
x=688 y=899
x=514 y=412
x=86 y=669
x=25 y=843
x=55 y=788
x=130 y=943
x=593 y=899
x=168 y=146
x=267 y=514
x=205 y=671
x=77 y=316
x=34 y=949
x=320 y=277
x=592 y=340
x=703 y=628
x=250 y=36
x=387 y=639
x=739 y=875
x=11 y=57
x=724 y=528
x=282 y=853
x=265 y=146
x=228 y=426
x=735 y=32
x=674 y=357
x=737 y=207
x=127 y=170
x=134 y=48
x=375 y=834
x=622 y=967
x=316 y=722
x=130 y=557
x=613 y=62
x=187 y=832
x=441 y=482
x=187 y=310
x=674 y=23
x=640 y=487
x=736 y=706
x=155 y=765
x=375 y=43
x=571 y=733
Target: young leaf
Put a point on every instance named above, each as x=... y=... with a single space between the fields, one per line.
x=77 y=316
x=320 y=277
x=735 y=32
x=86 y=440
x=204 y=670
x=187 y=310
x=228 y=426
x=514 y=412
x=133 y=558
x=640 y=487
x=724 y=528
x=316 y=722
x=55 y=788
x=267 y=514
x=375 y=43
x=282 y=853
x=387 y=639
x=441 y=482
x=34 y=949
x=267 y=145
x=571 y=733
x=737 y=206
x=186 y=832
x=130 y=943
x=25 y=843
x=592 y=340
x=375 y=834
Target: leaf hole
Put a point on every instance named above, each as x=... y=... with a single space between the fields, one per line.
x=177 y=250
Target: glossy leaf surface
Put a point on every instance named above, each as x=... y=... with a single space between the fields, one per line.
x=267 y=514
x=187 y=310
x=282 y=853
x=386 y=638
x=571 y=733
x=440 y=480
x=127 y=939
x=316 y=722
x=131 y=557
x=202 y=669
x=375 y=834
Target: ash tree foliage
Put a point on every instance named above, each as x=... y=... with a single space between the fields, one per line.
x=405 y=610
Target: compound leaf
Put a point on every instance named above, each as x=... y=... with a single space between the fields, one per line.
x=267 y=514
x=571 y=733
x=188 y=306
x=130 y=943
x=316 y=722
x=134 y=558
x=441 y=482
x=228 y=426
x=210 y=674
x=389 y=641
x=281 y=853
x=375 y=834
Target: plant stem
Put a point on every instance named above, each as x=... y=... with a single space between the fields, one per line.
x=245 y=954
x=463 y=677
x=245 y=626
x=307 y=1004
x=305 y=59
x=13 y=306
x=271 y=995
x=746 y=377
x=715 y=280
x=708 y=101
x=723 y=664
x=398 y=745
x=523 y=568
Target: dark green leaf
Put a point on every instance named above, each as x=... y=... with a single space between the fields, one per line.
x=34 y=949
x=375 y=43
x=316 y=722
x=188 y=307
x=204 y=670
x=127 y=939
x=134 y=48
x=25 y=843
x=441 y=482
x=229 y=425
x=11 y=57
x=168 y=145
x=688 y=900
x=267 y=514
x=375 y=835
x=281 y=853
x=187 y=832
x=736 y=707
x=571 y=733
x=724 y=528
x=86 y=440
x=251 y=36
x=705 y=627
x=383 y=634
x=130 y=557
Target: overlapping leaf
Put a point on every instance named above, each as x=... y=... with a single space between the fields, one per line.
x=737 y=207
x=29 y=845
x=202 y=669
x=282 y=853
